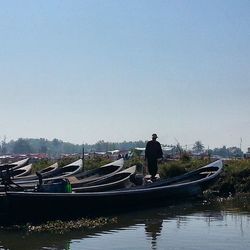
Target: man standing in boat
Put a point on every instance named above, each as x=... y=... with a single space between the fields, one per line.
x=153 y=153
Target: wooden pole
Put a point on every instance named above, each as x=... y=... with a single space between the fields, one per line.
x=83 y=158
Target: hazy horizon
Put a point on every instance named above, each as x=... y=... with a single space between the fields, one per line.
x=184 y=146
x=84 y=71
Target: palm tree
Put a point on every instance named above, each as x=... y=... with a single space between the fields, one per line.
x=198 y=147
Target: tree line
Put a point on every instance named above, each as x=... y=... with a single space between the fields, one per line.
x=57 y=147
x=223 y=152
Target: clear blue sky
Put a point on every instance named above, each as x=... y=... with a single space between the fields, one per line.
x=83 y=71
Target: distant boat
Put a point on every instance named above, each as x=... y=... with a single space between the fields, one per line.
x=39 y=206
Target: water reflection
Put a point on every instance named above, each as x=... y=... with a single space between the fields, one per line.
x=156 y=228
x=153 y=229
x=17 y=241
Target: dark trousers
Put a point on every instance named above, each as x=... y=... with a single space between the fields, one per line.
x=152 y=167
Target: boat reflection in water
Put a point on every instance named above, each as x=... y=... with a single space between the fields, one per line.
x=189 y=226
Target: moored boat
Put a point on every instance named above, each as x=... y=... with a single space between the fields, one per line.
x=46 y=173
x=204 y=176
x=119 y=180
x=97 y=174
x=62 y=172
x=23 y=171
x=16 y=164
x=8 y=170
x=26 y=206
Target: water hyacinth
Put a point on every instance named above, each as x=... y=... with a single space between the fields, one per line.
x=63 y=226
x=60 y=226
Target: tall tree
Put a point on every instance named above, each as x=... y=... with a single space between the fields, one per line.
x=198 y=147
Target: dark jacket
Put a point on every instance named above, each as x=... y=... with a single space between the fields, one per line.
x=153 y=150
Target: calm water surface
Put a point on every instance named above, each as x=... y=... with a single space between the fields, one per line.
x=195 y=225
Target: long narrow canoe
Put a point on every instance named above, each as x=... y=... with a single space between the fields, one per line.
x=23 y=171
x=70 y=169
x=76 y=178
x=204 y=176
x=117 y=181
x=17 y=164
x=26 y=206
x=10 y=169
x=47 y=172
x=62 y=172
x=101 y=173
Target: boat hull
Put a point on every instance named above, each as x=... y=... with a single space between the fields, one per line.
x=36 y=207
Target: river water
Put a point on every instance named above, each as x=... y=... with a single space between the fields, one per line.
x=192 y=225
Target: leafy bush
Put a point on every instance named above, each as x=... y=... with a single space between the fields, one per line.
x=185 y=157
x=95 y=162
x=41 y=164
x=236 y=177
x=171 y=169
x=134 y=161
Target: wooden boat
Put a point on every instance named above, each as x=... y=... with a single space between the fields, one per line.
x=65 y=171
x=23 y=171
x=15 y=165
x=117 y=181
x=79 y=179
x=62 y=172
x=98 y=174
x=46 y=173
x=10 y=169
x=69 y=170
x=204 y=176
x=26 y=206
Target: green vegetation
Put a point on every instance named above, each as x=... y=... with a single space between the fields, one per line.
x=198 y=147
x=239 y=202
x=234 y=179
x=59 y=226
x=41 y=164
x=172 y=169
x=177 y=167
x=95 y=162
x=57 y=147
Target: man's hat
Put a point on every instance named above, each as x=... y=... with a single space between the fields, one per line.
x=154 y=136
